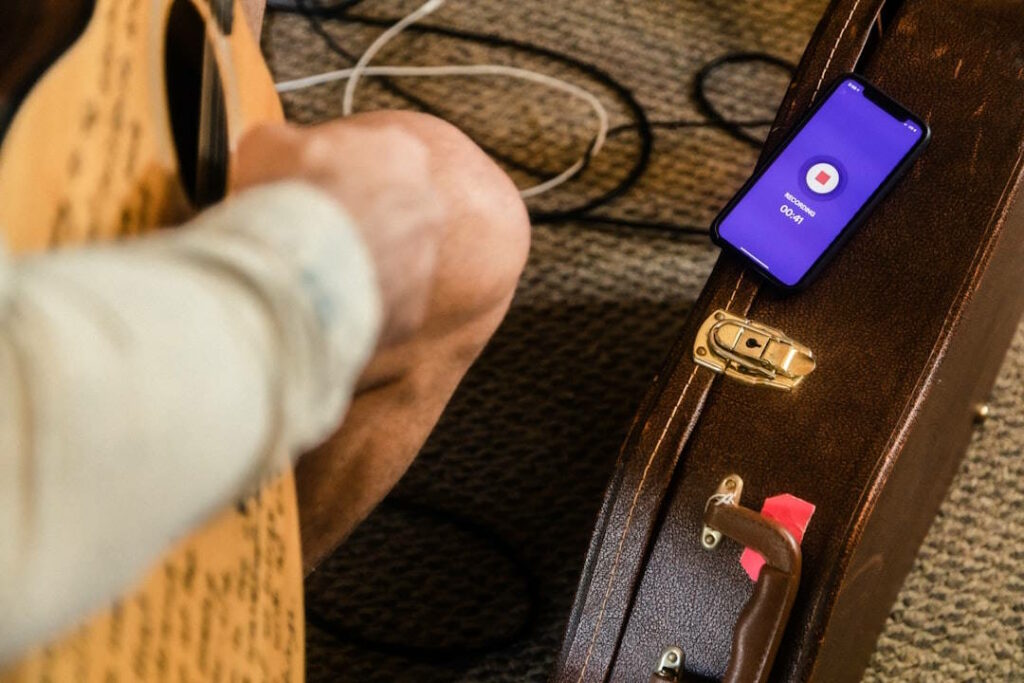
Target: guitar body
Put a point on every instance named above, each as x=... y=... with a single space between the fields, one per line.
x=99 y=148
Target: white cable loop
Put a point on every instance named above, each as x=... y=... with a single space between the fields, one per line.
x=429 y=7
x=362 y=68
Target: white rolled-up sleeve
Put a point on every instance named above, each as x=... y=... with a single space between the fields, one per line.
x=144 y=385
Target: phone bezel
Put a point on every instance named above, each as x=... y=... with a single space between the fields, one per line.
x=883 y=100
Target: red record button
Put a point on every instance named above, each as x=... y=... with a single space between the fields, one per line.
x=822 y=178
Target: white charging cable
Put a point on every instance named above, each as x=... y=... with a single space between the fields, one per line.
x=362 y=68
x=383 y=39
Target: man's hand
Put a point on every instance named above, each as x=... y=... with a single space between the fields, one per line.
x=380 y=175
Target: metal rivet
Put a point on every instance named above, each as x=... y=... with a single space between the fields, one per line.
x=669 y=664
x=982 y=411
x=730 y=484
x=709 y=539
x=701 y=351
x=719 y=316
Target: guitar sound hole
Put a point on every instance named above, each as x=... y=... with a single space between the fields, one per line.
x=195 y=101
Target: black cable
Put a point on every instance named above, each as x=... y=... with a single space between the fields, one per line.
x=320 y=10
x=622 y=92
x=663 y=227
x=452 y=654
x=641 y=124
x=686 y=123
x=338 y=11
x=733 y=128
x=715 y=119
x=313 y=14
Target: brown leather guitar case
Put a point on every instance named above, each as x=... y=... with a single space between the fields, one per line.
x=893 y=348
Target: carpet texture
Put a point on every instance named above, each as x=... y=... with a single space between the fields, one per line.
x=467 y=572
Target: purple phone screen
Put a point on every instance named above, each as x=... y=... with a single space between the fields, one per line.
x=816 y=185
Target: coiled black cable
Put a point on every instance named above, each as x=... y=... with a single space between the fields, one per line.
x=641 y=124
x=451 y=654
x=737 y=129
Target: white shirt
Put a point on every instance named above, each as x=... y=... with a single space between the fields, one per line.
x=142 y=385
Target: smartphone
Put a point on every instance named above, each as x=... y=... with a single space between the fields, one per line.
x=792 y=216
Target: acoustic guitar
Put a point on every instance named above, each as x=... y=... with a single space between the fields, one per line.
x=118 y=117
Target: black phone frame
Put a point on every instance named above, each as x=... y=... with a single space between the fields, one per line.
x=884 y=101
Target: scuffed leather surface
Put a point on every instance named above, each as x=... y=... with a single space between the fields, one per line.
x=908 y=323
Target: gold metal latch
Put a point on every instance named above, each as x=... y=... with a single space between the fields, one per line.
x=751 y=352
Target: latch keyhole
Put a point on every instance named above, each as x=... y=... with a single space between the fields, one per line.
x=752 y=343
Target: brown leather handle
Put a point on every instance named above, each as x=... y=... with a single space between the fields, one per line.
x=759 y=628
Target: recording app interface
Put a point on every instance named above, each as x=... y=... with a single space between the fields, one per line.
x=815 y=186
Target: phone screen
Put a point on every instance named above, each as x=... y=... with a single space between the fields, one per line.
x=785 y=219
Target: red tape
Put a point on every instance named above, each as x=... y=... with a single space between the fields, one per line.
x=789 y=511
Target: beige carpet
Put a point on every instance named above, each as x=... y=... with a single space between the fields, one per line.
x=467 y=573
